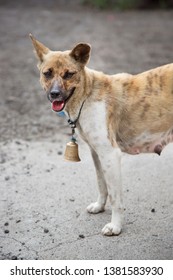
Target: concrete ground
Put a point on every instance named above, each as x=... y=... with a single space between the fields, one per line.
x=43 y=198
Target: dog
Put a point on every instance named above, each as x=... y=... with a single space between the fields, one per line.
x=114 y=114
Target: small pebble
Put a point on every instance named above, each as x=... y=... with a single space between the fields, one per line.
x=6 y=231
x=2 y=160
x=46 y=230
x=81 y=236
x=153 y=210
x=6 y=224
x=14 y=257
x=59 y=153
x=18 y=221
x=7 y=178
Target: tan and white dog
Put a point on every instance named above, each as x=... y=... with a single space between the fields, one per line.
x=114 y=113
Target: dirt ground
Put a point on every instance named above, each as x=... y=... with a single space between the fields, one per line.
x=121 y=42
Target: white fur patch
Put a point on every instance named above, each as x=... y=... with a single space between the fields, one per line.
x=107 y=160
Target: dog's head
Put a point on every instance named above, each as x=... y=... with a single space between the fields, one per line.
x=60 y=72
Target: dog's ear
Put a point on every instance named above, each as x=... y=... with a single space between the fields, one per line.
x=40 y=49
x=81 y=53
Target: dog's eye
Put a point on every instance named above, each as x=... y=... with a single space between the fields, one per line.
x=48 y=74
x=68 y=75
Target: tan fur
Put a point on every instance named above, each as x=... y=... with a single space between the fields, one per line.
x=138 y=118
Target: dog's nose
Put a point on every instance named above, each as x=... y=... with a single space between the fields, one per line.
x=55 y=94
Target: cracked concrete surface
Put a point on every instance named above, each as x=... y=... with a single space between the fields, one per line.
x=43 y=199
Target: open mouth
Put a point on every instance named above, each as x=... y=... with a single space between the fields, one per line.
x=58 y=105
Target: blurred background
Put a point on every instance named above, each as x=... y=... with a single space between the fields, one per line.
x=125 y=35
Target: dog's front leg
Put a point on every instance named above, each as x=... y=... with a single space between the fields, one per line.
x=99 y=205
x=111 y=165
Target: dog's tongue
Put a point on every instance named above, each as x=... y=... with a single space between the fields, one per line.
x=57 y=105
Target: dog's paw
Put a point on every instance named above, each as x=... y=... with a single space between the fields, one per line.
x=95 y=208
x=111 y=229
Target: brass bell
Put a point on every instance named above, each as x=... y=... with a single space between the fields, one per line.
x=71 y=152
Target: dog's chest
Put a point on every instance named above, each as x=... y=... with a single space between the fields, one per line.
x=92 y=125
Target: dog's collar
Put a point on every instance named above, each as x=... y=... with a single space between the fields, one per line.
x=74 y=123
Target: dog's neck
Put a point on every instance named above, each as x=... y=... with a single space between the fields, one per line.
x=96 y=87
x=73 y=123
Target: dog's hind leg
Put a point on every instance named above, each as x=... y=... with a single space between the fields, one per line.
x=99 y=205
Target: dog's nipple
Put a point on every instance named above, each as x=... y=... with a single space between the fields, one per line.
x=158 y=149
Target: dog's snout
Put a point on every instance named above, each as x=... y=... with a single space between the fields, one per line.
x=55 y=94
